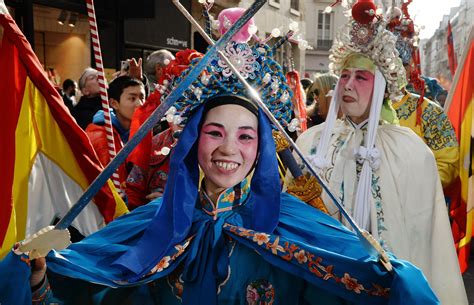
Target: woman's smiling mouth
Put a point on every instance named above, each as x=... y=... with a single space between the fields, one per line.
x=226 y=165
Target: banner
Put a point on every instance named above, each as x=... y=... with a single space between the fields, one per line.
x=459 y=108
x=46 y=160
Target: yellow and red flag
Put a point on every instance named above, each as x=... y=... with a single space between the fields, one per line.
x=459 y=108
x=46 y=160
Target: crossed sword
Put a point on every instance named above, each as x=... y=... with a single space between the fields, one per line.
x=370 y=244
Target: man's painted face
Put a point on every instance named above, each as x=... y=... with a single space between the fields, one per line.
x=355 y=91
x=228 y=146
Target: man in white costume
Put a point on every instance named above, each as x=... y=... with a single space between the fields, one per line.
x=384 y=174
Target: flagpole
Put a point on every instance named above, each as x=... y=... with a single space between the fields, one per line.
x=459 y=71
x=109 y=133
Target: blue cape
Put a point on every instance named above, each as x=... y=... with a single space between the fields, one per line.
x=150 y=242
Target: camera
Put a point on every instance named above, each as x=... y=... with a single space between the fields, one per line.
x=125 y=66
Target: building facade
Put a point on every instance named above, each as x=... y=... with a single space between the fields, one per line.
x=58 y=31
x=435 y=55
x=279 y=14
x=321 y=28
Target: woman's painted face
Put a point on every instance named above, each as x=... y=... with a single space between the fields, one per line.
x=228 y=146
x=355 y=90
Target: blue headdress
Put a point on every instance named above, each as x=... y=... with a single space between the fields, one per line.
x=255 y=64
x=173 y=220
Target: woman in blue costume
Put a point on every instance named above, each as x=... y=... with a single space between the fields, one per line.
x=230 y=238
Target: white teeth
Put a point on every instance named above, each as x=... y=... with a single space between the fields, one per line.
x=227 y=165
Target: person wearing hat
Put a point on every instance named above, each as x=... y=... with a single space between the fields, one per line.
x=228 y=236
x=384 y=174
x=416 y=107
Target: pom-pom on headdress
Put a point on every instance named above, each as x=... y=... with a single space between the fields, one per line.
x=228 y=17
x=365 y=33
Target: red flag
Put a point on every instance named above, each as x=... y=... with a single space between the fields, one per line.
x=460 y=111
x=451 y=54
x=46 y=160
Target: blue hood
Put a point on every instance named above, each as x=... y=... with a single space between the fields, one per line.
x=100 y=120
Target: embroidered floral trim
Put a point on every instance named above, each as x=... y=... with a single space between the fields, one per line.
x=351 y=283
x=167 y=260
x=261 y=238
x=228 y=200
x=377 y=196
x=260 y=292
x=293 y=253
x=176 y=283
x=136 y=176
x=231 y=196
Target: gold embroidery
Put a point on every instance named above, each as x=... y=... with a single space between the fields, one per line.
x=308 y=190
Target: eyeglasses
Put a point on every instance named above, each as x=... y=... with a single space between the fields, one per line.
x=92 y=77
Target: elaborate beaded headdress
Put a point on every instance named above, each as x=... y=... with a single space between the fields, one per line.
x=403 y=27
x=366 y=33
x=255 y=63
x=256 y=66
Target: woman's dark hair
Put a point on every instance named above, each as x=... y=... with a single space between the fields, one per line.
x=230 y=99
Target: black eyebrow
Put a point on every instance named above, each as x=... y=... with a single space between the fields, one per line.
x=222 y=126
x=247 y=128
x=215 y=124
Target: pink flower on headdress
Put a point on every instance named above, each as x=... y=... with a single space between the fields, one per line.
x=228 y=17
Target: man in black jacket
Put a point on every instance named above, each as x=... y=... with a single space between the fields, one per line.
x=90 y=101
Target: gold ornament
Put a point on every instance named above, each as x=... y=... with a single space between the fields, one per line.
x=280 y=142
x=307 y=189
